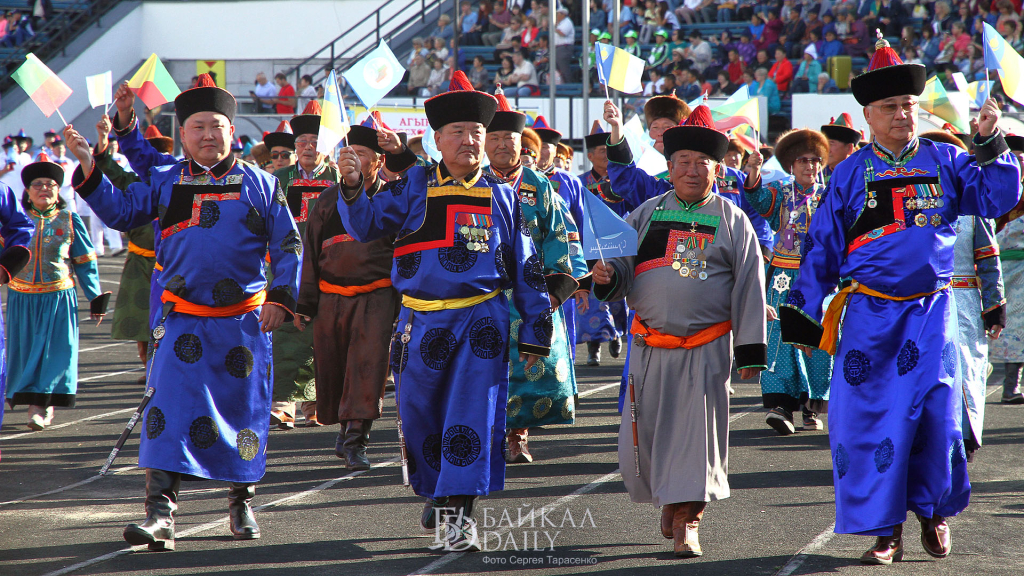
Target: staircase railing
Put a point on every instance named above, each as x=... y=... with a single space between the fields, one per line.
x=352 y=49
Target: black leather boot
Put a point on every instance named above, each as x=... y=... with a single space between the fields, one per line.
x=357 y=432
x=157 y=531
x=243 y=521
x=428 y=519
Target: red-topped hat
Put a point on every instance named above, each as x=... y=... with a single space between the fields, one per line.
x=42 y=168
x=547 y=134
x=697 y=133
x=283 y=137
x=164 y=144
x=597 y=136
x=461 y=103
x=506 y=118
x=887 y=76
x=841 y=130
x=205 y=96
x=309 y=121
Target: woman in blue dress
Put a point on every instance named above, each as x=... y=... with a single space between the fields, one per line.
x=42 y=305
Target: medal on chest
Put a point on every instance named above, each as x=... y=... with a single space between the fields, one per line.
x=475 y=230
x=689 y=258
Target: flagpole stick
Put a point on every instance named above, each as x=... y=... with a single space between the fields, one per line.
x=61 y=117
x=106 y=111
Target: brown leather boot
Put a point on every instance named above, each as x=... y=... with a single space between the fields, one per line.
x=684 y=529
x=935 y=536
x=517 y=451
x=668 y=511
x=887 y=549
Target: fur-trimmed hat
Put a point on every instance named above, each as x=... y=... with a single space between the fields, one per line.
x=283 y=137
x=669 y=107
x=547 y=134
x=506 y=119
x=531 y=141
x=795 y=143
x=461 y=103
x=735 y=146
x=597 y=137
x=163 y=144
x=841 y=129
x=308 y=122
x=205 y=96
x=1016 y=143
x=945 y=137
x=697 y=133
x=260 y=153
x=887 y=76
x=42 y=168
x=564 y=150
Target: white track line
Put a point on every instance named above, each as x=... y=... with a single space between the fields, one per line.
x=94 y=348
x=220 y=522
x=817 y=544
x=69 y=486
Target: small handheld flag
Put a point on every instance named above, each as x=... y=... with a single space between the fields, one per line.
x=936 y=101
x=333 y=122
x=979 y=92
x=741 y=93
x=619 y=69
x=730 y=115
x=43 y=86
x=606 y=235
x=153 y=84
x=1001 y=56
x=100 y=89
x=373 y=77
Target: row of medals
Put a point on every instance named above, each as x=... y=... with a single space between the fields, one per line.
x=476 y=238
x=690 y=264
x=918 y=203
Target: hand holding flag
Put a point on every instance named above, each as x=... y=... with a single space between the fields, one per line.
x=333 y=123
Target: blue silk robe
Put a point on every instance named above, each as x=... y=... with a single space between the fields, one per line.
x=545 y=393
x=887 y=222
x=451 y=373
x=571 y=190
x=209 y=416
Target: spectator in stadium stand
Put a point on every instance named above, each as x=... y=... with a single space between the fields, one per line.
x=725 y=85
x=699 y=52
x=524 y=75
x=773 y=27
x=763 y=86
x=1014 y=35
x=285 y=96
x=439 y=51
x=1007 y=13
x=467 y=24
x=793 y=34
x=264 y=93
x=659 y=53
x=690 y=90
x=677 y=40
x=504 y=74
x=565 y=38
x=417 y=48
x=762 y=60
x=653 y=86
x=479 y=77
x=813 y=24
x=746 y=48
x=735 y=67
x=499 y=20
x=696 y=11
x=830 y=47
x=929 y=46
x=632 y=47
x=419 y=74
x=859 y=39
x=666 y=17
x=826 y=85
x=307 y=92
x=531 y=31
x=910 y=56
x=598 y=17
x=542 y=59
x=444 y=29
x=649 y=21
x=756 y=27
x=943 y=17
x=438 y=74
x=511 y=37
x=781 y=71
x=807 y=72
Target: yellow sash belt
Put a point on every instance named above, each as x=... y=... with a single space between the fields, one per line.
x=830 y=323
x=450 y=304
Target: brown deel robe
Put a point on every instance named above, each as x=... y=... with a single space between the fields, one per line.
x=351 y=334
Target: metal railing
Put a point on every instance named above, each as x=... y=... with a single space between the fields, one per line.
x=353 y=49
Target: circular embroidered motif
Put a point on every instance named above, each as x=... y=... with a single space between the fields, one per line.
x=543 y=328
x=255 y=223
x=884 y=455
x=503 y=260
x=907 y=358
x=514 y=328
x=457 y=258
x=239 y=362
x=949 y=358
x=856 y=367
x=292 y=244
x=188 y=348
x=568 y=409
x=408 y=264
x=155 y=422
x=515 y=404
x=176 y=285
x=796 y=298
x=437 y=347
x=542 y=406
x=535 y=372
x=248 y=444
x=781 y=282
x=227 y=292
x=128 y=326
x=842 y=461
x=203 y=432
x=141 y=298
x=461 y=445
x=485 y=338
x=533 y=274
x=209 y=214
x=432 y=451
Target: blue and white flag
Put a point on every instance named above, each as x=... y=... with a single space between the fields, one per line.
x=605 y=235
x=373 y=77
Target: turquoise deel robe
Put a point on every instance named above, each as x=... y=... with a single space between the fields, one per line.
x=886 y=221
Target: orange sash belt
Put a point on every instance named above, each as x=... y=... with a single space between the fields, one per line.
x=650 y=337
x=136 y=249
x=329 y=288
x=185 y=307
